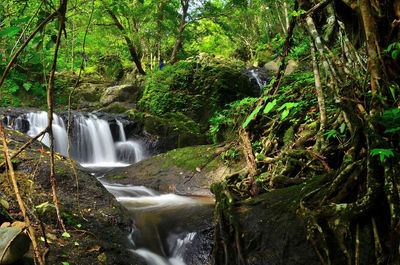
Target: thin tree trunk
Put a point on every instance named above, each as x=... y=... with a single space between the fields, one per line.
x=73 y=46
x=318 y=88
x=279 y=17
x=328 y=68
x=61 y=13
x=286 y=47
x=182 y=26
x=131 y=47
x=286 y=15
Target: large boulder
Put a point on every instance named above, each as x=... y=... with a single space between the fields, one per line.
x=118 y=93
x=168 y=131
x=193 y=89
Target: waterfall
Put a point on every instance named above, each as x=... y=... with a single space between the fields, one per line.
x=91 y=140
x=259 y=79
x=261 y=83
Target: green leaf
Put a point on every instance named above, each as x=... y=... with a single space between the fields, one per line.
x=10 y=32
x=27 y=86
x=330 y=133
x=393 y=130
x=251 y=116
x=64 y=263
x=383 y=153
x=393 y=92
x=269 y=106
x=395 y=53
x=285 y=113
x=342 y=127
x=66 y=234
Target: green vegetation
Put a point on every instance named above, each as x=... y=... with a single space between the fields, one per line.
x=324 y=132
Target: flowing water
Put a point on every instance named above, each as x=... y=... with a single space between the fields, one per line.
x=163 y=226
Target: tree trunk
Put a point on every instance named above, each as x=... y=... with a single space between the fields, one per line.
x=182 y=26
x=373 y=50
x=131 y=47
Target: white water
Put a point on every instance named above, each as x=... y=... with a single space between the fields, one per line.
x=261 y=83
x=148 y=206
x=91 y=142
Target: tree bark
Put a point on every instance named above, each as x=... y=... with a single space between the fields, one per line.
x=373 y=50
x=182 y=26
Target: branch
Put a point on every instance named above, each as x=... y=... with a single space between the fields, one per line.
x=25 y=146
x=26 y=27
x=61 y=12
x=44 y=22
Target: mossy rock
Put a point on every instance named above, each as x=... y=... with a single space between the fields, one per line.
x=110 y=67
x=47 y=213
x=194 y=90
x=118 y=93
x=116 y=108
x=90 y=92
x=173 y=129
x=13 y=244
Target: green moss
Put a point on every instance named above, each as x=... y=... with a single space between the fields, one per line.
x=288 y=137
x=116 y=176
x=192 y=158
x=171 y=125
x=116 y=107
x=193 y=90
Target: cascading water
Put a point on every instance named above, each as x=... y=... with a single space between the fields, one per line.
x=261 y=83
x=259 y=79
x=91 y=140
x=160 y=234
x=155 y=240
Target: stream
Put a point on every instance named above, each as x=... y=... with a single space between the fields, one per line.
x=166 y=226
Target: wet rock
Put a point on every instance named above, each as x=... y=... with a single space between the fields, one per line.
x=13 y=244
